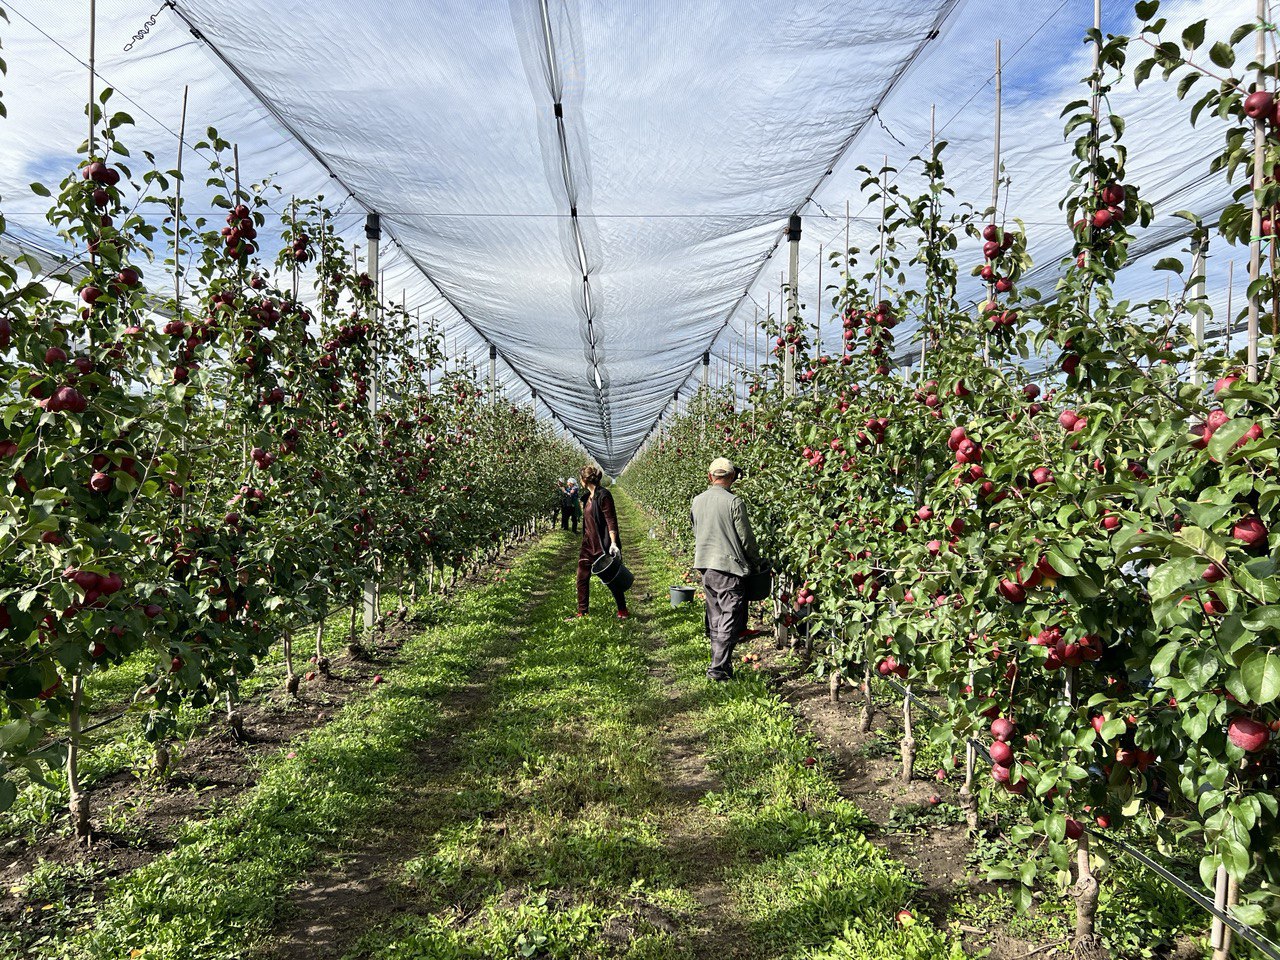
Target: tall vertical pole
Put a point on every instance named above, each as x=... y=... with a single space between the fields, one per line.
x=93 y=70
x=847 y=255
x=706 y=368
x=1199 y=251
x=930 y=290
x=793 y=304
x=493 y=373
x=817 y=336
x=177 y=214
x=880 y=254
x=373 y=233
x=1259 y=177
x=995 y=186
x=1231 y=285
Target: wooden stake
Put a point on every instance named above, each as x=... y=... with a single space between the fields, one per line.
x=1231 y=283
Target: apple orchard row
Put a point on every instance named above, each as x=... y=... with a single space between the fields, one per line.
x=1073 y=554
x=192 y=476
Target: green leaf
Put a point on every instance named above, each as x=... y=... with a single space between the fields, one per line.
x=1146 y=9
x=1224 y=439
x=39 y=189
x=1222 y=54
x=1193 y=36
x=1260 y=676
x=1169 y=263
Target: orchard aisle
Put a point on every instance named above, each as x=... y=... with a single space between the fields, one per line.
x=602 y=800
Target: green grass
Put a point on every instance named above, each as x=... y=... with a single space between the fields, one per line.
x=222 y=884
x=589 y=795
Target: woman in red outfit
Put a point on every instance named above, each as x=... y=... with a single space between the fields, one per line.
x=599 y=536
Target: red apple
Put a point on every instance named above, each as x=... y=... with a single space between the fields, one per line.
x=1250 y=531
x=1248 y=734
x=1002 y=753
x=1259 y=105
x=1002 y=729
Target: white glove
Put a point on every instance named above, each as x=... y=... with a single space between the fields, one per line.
x=613 y=550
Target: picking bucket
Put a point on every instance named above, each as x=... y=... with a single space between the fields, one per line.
x=758 y=585
x=681 y=594
x=613 y=573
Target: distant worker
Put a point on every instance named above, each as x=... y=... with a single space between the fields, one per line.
x=570 y=508
x=725 y=554
x=599 y=536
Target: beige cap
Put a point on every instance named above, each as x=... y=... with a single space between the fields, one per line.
x=722 y=467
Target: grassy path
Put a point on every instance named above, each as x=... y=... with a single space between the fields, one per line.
x=524 y=786
x=612 y=803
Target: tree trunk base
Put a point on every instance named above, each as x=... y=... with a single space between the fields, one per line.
x=1089 y=948
x=291 y=684
x=908 y=759
x=78 y=807
x=969 y=803
x=322 y=665
x=235 y=723
x=833 y=693
x=160 y=760
x=356 y=651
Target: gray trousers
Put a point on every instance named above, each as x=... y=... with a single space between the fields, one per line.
x=726 y=619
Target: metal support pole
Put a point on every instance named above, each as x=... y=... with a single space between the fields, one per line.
x=793 y=305
x=1259 y=177
x=493 y=373
x=1199 y=252
x=93 y=70
x=706 y=368
x=373 y=232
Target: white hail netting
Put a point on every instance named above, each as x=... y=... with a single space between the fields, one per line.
x=689 y=131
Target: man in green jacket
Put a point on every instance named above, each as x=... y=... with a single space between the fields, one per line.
x=725 y=553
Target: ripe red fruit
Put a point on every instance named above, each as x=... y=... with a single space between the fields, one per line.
x=1075 y=829
x=924 y=513
x=6 y=333
x=175 y=664
x=1253 y=433
x=110 y=583
x=1000 y=774
x=1259 y=105
x=961 y=390
x=152 y=610
x=1068 y=419
x=991 y=233
x=100 y=482
x=1213 y=573
x=1250 y=531
x=1113 y=194
x=1223 y=384
x=129 y=277
x=90 y=295
x=1111 y=522
x=97 y=650
x=1041 y=476
x=1002 y=729
x=1248 y=734
x=55 y=355
x=1102 y=219
x=1216 y=420
x=1002 y=753
x=377 y=678
x=934 y=547
x=1103 y=821
x=1012 y=591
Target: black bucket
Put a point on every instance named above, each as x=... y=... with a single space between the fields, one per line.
x=758 y=585
x=681 y=595
x=613 y=573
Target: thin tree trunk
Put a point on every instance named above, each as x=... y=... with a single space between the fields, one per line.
x=77 y=799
